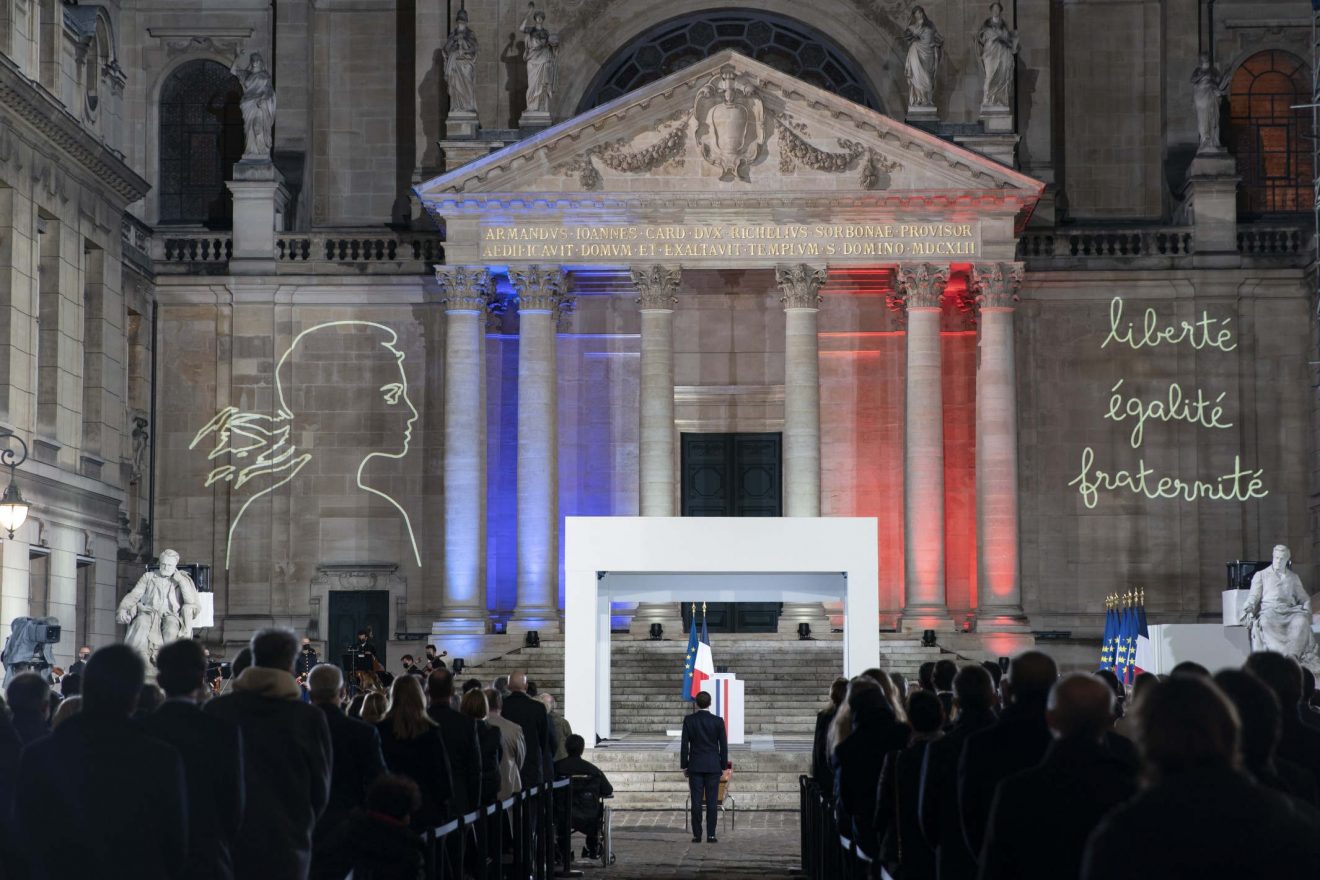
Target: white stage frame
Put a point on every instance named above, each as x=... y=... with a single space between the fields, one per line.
x=714 y=559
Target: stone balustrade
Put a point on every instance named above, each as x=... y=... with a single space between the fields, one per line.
x=1156 y=247
x=371 y=250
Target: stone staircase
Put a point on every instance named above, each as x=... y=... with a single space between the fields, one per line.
x=787 y=680
x=651 y=780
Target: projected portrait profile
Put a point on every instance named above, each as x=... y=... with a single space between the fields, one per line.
x=340 y=390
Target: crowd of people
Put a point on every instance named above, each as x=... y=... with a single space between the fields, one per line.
x=969 y=774
x=279 y=776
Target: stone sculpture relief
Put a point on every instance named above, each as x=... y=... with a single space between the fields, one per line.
x=1207 y=89
x=262 y=449
x=159 y=609
x=731 y=130
x=460 y=54
x=258 y=106
x=540 y=57
x=925 y=48
x=1278 y=612
x=999 y=48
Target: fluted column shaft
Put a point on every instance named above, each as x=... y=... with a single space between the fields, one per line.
x=921 y=288
x=540 y=295
x=466 y=293
x=997 y=568
x=799 y=287
x=656 y=286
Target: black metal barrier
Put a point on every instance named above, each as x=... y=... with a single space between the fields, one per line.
x=828 y=854
x=513 y=838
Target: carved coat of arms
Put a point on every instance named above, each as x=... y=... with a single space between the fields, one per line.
x=730 y=124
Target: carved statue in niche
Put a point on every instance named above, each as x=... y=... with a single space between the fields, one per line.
x=539 y=54
x=1207 y=89
x=258 y=106
x=999 y=47
x=730 y=124
x=460 y=54
x=925 y=48
x=141 y=447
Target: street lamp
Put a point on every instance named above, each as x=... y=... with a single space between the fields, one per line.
x=13 y=509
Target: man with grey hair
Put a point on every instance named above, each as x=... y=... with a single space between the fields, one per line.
x=159 y=609
x=1040 y=818
x=357 y=759
x=562 y=729
x=287 y=761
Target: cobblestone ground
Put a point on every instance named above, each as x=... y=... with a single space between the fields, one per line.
x=654 y=844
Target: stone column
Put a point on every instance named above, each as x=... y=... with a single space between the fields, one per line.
x=999 y=589
x=656 y=289
x=540 y=294
x=799 y=288
x=466 y=291
x=921 y=287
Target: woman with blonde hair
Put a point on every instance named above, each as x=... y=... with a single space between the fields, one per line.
x=375 y=707
x=412 y=746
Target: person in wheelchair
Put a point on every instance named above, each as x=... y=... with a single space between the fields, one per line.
x=590 y=788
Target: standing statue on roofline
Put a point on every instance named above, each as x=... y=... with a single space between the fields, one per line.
x=540 y=51
x=258 y=106
x=460 y=54
x=925 y=48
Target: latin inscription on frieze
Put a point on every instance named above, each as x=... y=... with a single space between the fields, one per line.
x=723 y=243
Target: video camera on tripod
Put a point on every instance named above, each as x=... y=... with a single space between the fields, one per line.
x=28 y=647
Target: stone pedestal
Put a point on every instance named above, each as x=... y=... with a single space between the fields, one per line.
x=540 y=292
x=260 y=203
x=461 y=125
x=1002 y=147
x=457 y=153
x=923 y=116
x=535 y=119
x=466 y=292
x=921 y=287
x=997 y=119
x=1210 y=205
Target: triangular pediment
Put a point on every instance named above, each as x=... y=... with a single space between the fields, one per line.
x=729 y=128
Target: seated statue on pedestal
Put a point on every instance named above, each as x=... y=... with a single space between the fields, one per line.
x=1278 y=613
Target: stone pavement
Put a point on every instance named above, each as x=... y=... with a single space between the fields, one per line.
x=654 y=844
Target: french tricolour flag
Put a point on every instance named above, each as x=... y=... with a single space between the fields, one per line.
x=704 y=667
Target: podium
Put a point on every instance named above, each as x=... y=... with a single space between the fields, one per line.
x=1212 y=645
x=726 y=694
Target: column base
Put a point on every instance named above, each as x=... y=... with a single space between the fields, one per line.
x=811 y=613
x=460 y=626
x=668 y=614
x=918 y=619
x=545 y=623
x=1008 y=619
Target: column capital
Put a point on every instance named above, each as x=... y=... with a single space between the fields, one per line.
x=921 y=285
x=996 y=284
x=464 y=288
x=800 y=285
x=656 y=286
x=539 y=288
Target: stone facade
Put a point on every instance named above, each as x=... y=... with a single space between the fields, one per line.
x=127 y=340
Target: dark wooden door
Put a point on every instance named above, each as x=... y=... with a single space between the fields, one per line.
x=352 y=610
x=733 y=475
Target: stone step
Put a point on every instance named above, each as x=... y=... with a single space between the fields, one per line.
x=749 y=802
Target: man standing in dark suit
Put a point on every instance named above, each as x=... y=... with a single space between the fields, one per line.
x=79 y=665
x=99 y=773
x=531 y=716
x=1040 y=818
x=973 y=697
x=286 y=760
x=212 y=752
x=1016 y=742
x=704 y=756
x=459 y=732
x=356 y=760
